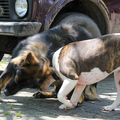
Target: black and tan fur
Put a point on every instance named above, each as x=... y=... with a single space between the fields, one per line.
x=31 y=62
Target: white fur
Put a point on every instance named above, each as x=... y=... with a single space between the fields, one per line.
x=85 y=78
x=93 y=76
x=68 y=84
x=56 y=64
x=66 y=87
x=117 y=101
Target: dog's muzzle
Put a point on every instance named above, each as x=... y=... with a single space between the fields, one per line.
x=6 y=92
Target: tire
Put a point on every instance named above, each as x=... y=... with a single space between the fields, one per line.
x=80 y=19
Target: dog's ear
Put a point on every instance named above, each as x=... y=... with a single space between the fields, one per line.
x=45 y=66
x=27 y=58
x=30 y=58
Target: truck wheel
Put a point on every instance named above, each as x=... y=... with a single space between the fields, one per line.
x=80 y=19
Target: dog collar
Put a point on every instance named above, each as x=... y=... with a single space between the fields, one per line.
x=55 y=76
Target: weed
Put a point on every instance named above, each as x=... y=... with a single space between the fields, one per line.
x=5 y=113
x=11 y=106
x=19 y=114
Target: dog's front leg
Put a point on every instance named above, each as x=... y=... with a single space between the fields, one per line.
x=117 y=101
x=65 y=89
x=77 y=93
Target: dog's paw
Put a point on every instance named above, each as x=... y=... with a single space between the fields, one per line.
x=64 y=107
x=38 y=95
x=108 y=108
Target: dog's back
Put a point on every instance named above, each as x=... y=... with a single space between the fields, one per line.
x=47 y=42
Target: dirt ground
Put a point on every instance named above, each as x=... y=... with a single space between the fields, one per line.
x=22 y=106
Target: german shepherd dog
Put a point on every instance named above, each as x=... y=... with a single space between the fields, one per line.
x=31 y=62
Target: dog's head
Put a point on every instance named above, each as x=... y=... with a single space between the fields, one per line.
x=29 y=72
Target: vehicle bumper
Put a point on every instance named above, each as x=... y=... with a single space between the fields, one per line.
x=19 y=29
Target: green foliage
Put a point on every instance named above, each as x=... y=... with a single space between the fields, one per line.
x=19 y=114
x=11 y=106
x=4 y=62
x=28 y=98
x=5 y=113
x=1 y=64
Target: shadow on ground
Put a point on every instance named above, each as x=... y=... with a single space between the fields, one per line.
x=47 y=109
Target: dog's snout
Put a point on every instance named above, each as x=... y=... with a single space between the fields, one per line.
x=6 y=92
x=40 y=89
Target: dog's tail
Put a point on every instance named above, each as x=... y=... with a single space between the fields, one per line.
x=91 y=93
